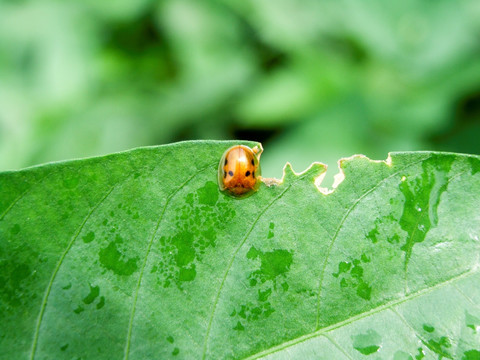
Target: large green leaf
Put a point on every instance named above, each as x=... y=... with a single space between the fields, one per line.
x=138 y=255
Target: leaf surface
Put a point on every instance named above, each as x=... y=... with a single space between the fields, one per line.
x=137 y=255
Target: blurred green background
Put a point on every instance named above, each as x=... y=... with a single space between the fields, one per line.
x=313 y=80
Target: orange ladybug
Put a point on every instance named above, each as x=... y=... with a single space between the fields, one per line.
x=239 y=170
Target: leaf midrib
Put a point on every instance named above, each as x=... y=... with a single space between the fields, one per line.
x=387 y=306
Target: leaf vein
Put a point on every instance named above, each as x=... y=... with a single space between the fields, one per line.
x=465 y=296
x=407 y=324
x=418 y=335
x=139 y=282
x=408 y=253
x=337 y=345
x=337 y=231
x=20 y=197
x=217 y=296
x=57 y=268
x=386 y=306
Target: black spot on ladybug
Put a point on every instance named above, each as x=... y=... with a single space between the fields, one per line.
x=226 y=161
x=253 y=174
x=224 y=174
x=230 y=173
x=247 y=173
x=253 y=162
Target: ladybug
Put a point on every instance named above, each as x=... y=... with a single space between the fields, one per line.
x=239 y=170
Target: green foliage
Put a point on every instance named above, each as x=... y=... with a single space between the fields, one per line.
x=138 y=255
x=319 y=80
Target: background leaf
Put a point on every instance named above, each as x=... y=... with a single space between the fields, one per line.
x=311 y=81
x=138 y=255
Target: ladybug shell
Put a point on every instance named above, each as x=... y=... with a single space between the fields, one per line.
x=239 y=171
